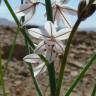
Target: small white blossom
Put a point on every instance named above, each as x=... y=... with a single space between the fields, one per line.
x=50 y=47
x=27 y=9
x=59 y=11
x=35 y=60
x=51 y=43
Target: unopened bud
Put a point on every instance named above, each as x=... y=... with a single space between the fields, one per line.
x=84 y=10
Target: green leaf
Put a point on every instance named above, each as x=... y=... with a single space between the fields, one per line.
x=81 y=75
x=94 y=90
x=12 y=49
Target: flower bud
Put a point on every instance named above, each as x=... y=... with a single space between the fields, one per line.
x=84 y=10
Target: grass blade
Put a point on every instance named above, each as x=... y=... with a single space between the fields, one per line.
x=2 y=85
x=81 y=75
x=94 y=90
x=12 y=48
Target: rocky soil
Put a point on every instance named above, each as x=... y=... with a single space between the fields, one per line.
x=18 y=80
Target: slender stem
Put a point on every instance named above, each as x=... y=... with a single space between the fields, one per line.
x=64 y=60
x=11 y=50
x=81 y=75
x=52 y=78
x=19 y=24
x=49 y=10
x=23 y=17
x=50 y=67
x=0 y=1
x=35 y=81
x=94 y=90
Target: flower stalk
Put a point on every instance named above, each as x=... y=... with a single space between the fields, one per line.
x=94 y=90
x=49 y=10
x=64 y=60
x=50 y=67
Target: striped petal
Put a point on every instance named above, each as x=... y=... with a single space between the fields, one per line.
x=38 y=33
x=50 y=28
x=40 y=48
x=59 y=47
x=32 y=58
x=24 y=9
x=39 y=69
x=50 y=56
x=68 y=10
x=62 y=1
x=62 y=34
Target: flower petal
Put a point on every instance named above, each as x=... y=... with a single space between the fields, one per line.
x=68 y=10
x=29 y=15
x=30 y=1
x=39 y=69
x=62 y=34
x=38 y=33
x=50 y=28
x=51 y=55
x=59 y=47
x=32 y=58
x=40 y=48
x=62 y=1
x=24 y=9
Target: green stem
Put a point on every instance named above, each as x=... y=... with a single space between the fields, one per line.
x=50 y=67
x=18 y=23
x=11 y=49
x=94 y=90
x=52 y=78
x=49 y=10
x=34 y=80
x=81 y=75
x=64 y=60
x=23 y=17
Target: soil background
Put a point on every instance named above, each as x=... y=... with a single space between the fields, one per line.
x=18 y=81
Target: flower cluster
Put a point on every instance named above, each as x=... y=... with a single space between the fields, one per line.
x=28 y=10
x=51 y=46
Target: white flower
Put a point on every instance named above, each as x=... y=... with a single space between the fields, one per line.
x=34 y=59
x=59 y=9
x=50 y=47
x=27 y=9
